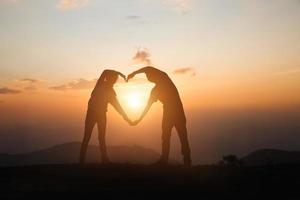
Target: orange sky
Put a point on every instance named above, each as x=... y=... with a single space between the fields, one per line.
x=221 y=55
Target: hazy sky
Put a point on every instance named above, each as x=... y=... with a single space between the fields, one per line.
x=65 y=39
x=220 y=53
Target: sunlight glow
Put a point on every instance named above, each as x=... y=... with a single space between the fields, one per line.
x=134 y=100
x=133 y=96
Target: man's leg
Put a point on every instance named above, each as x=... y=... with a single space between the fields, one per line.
x=101 y=137
x=185 y=148
x=88 y=129
x=166 y=137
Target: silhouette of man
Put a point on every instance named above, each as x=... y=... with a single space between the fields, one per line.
x=173 y=113
x=102 y=94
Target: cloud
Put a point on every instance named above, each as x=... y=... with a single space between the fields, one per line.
x=30 y=88
x=82 y=84
x=29 y=80
x=6 y=90
x=65 y=5
x=181 y=6
x=288 y=72
x=136 y=19
x=28 y=84
x=59 y=87
x=133 y=17
x=9 y=1
x=182 y=70
x=186 y=70
x=142 y=56
x=79 y=84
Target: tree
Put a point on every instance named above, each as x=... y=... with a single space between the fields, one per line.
x=231 y=160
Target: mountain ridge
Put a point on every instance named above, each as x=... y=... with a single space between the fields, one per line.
x=272 y=156
x=68 y=153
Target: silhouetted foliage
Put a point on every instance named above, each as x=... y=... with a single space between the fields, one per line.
x=231 y=160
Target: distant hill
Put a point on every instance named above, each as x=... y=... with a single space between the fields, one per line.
x=69 y=152
x=272 y=156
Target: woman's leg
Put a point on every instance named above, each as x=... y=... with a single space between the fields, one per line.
x=88 y=129
x=101 y=124
x=166 y=137
x=185 y=148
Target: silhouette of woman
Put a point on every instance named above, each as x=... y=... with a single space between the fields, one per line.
x=102 y=94
x=173 y=112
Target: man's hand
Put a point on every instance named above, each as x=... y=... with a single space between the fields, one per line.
x=123 y=76
x=131 y=123
x=134 y=123
x=119 y=73
x=130 y=76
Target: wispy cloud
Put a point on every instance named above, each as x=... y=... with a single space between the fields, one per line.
x=6 y=90
x=181 y=6
x=82 y=84
x=29 y=80
x=30 y=88
x=29 y=84
x=137 y=19
x=186 y=70
x=79 y=84
x=142 y=56
x=59 y=87
x=133 y=17
x=66 y=5
x=288 y=72
x=9 y=1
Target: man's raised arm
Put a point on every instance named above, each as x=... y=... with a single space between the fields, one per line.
x=142 y=70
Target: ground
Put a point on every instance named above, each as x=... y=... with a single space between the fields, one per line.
x=150 y=181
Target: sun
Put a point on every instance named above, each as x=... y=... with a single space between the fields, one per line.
x=133 y=97
x=134 y=100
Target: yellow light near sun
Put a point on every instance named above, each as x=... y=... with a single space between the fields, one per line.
x=134 y=100
x=133 y=97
